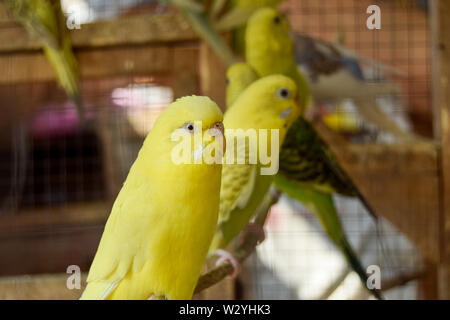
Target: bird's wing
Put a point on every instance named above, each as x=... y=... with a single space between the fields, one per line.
x=304 y=159
x=322 y=206
x=122 y=248
x=339 y=172
x=307 y=159
x=238 y=181
x=239 y=217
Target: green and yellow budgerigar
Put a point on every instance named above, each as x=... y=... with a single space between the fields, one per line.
x=161 y=225
x=309 y=171
x=268 y=103
x=45 y=21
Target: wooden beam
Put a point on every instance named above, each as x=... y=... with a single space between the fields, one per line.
x=212 y=75
x=39 y=287
x=53 y=217
x=400 y=182
x=50 y=239
x=94 y=63
x=123 y=31
x=185 y=78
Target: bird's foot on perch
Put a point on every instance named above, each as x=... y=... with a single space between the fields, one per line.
x=225 y=256
x=254 y=228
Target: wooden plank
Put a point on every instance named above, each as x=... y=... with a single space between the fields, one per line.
x=53 y=287
x=185 y=78
x=132 y=30
x=49 y=240
x=124 y=61
x=5 y=18
x=400 y=182
x=51 y=250
x=444 y=115
x=39 y=287
x=212 y=75
x=52 y=217
x=123 y=31
x=101 y=62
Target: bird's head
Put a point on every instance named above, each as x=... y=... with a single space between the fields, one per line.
x=268 y=103
x=270 y=24
x=187 y=129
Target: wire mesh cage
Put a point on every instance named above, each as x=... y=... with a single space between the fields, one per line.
x=60 y=175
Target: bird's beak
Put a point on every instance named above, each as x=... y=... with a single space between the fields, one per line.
x=219 y=126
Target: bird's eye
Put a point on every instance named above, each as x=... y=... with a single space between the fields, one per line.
x=284 y=93
x=189 y=127
x=277 y=20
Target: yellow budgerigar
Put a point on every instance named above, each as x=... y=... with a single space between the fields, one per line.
x=270 y=103
x=158 y=233
x=246 y=8
x=269 y=48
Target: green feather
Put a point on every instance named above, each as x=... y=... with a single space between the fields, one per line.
x=45 y=21
x=322 y=205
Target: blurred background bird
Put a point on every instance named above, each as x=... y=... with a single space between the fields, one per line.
x=45 y=21
x=270 y=49
x=345 y=97
x=335 y=74
x=309 y=173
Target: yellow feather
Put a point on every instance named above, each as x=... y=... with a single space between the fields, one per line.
x=239 y=76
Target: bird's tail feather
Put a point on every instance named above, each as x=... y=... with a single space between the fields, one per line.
x=65 y=65
x=353 y=261
x=370 y=111
x=322 y=206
